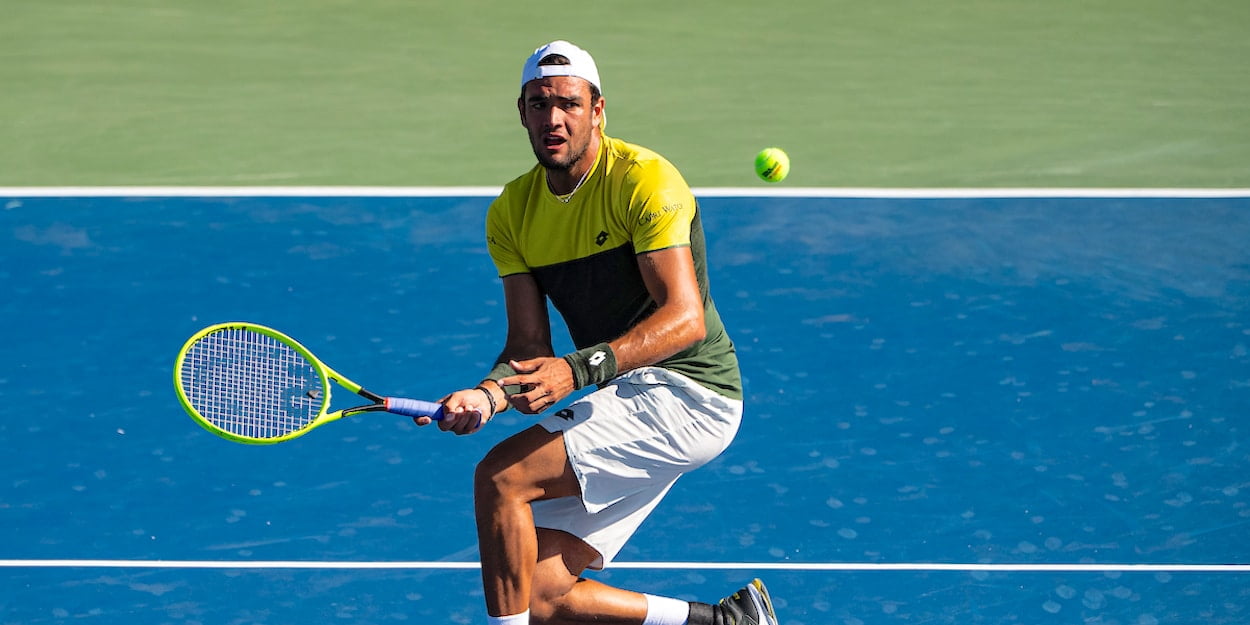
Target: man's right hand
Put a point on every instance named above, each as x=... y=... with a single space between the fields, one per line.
x=464 y=412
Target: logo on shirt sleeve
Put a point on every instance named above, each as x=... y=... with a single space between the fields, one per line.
x=653 y=215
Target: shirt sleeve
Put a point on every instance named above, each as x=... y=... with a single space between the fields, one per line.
x=661 y=208
x=500 y=239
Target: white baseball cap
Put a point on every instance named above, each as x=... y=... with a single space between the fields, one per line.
x=581 y=65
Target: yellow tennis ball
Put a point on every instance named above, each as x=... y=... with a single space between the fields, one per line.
x=772 y=164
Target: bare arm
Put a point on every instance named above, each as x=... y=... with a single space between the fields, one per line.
x=676 y=324
x=529 y=336
x=529 y=328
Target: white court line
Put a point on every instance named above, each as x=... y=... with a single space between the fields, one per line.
x=705 y=566
x=146 y=192
x=977 y=193
x=775 y=192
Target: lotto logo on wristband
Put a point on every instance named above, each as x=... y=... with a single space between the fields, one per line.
x=592 y=365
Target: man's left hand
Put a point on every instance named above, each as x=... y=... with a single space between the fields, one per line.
x=543 y=381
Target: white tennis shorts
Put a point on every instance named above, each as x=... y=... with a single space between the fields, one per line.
x=628 y=442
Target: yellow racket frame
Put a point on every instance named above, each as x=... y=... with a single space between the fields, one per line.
x=325 y=372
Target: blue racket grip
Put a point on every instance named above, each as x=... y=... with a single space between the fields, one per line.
x=414 y=408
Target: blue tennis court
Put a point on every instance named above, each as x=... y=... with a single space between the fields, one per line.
x=1043 y=395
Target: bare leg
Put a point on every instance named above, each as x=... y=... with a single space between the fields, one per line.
x=529 y=466
x=521 y=563
x=562 y=597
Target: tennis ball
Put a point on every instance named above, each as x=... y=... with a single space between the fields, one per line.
x=772 y=164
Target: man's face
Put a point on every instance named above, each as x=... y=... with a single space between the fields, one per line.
x=560 y=119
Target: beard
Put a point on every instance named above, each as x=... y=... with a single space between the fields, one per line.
x=556 y=163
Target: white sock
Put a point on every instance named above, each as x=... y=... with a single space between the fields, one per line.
x=516 y=619
x=665 y=611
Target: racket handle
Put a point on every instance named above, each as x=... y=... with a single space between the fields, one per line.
x=414 y=408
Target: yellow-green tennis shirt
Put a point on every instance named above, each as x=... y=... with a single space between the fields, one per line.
x=582 y=253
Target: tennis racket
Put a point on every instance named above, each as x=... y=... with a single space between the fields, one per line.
x=251 y=384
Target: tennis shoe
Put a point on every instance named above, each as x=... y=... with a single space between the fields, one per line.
x=749 y=606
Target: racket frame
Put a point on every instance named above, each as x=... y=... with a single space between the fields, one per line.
x=324 y=416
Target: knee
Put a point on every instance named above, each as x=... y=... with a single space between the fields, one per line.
x=526 y=467
x=542 y=613
x=495 y=478
x=559 y=595
x=548 y=605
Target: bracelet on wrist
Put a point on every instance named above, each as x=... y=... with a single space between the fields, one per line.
x=500 y=371
x=490 y=398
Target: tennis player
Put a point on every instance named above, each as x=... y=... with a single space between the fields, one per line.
x=610 y=233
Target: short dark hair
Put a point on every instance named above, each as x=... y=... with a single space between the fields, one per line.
x=554 y=59
x=560 y=59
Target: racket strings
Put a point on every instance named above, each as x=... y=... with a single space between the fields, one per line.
x=250 y=384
